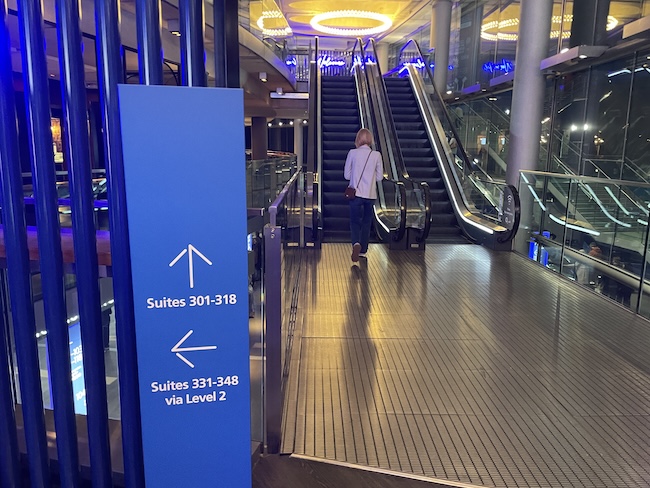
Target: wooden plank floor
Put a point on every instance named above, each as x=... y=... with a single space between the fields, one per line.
x=467 y=365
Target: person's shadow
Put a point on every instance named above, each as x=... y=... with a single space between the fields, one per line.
x=361 y=352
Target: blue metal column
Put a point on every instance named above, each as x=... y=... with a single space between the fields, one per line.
x=109 y=68
x=231 y=34
x=219 y=23
x=150 y=56
x=13 y=220
x=8 y=155
x=73 y=96
x=9 y=475
x=37 y=101
x=192 y=48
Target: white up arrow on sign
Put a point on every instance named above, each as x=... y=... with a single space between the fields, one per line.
x=178 y=350
x=190 y=251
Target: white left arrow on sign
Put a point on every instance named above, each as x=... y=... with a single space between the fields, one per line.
x=177 y=349
x=190 y=251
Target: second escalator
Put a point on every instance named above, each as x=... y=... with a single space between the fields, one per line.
x=420 y=160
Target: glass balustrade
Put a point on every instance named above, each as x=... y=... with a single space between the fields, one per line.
x=592 y=230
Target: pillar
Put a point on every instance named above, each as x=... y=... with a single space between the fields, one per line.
x=589 y=24
x=298 y=140
x=381 y=51
x=529 y=84
x=259 y=137
x=441 y=32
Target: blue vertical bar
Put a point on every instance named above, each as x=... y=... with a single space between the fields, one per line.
x=37 y=102
x=13 y=220
x=9 y=447
x=231 y=34
x=192 y=47
x=8 y=434
x=73 y=96
x=9 y=474
x=219 y=24
x=109 y=68
x=150 y=57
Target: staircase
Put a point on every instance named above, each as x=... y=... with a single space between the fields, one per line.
x=420 y=160
x=340 y=124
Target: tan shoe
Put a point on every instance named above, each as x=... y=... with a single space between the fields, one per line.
x=356 y=249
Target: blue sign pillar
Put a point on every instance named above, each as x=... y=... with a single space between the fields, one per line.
x=184 y=168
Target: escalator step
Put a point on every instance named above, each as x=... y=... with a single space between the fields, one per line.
x=338 y=119
x=412 y=134
x=423 y=174
x=346 y=128
x=400 y=110
x=439 y=195
x=335 y=155
x=338 y=144
x=332 y=210
x=418 y=152
x=409 y=126
x=337 y=224
x=413 y=143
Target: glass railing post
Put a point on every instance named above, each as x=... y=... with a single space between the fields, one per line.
x=273 y=347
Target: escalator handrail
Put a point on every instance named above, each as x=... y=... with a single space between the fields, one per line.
x=314 y=162
x=399 y=232
x=442 y=105
x=428 y=210
x=401 y=165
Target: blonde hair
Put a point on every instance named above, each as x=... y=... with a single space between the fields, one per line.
x=364 y=136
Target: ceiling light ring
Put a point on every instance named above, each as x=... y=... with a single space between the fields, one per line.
x=271 y=14
x=386 y=23
x=612 y=22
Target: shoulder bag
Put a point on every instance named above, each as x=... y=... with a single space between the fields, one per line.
x=351 y=192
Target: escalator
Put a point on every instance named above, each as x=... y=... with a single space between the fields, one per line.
x=340 y=123
x=485 y=211
x=419 y=158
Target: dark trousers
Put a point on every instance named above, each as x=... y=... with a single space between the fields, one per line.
x=361 y=211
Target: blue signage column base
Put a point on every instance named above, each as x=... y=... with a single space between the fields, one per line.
x=184 y=165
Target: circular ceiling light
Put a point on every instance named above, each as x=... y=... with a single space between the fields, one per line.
x=316 y=23
x=278 y=17
x=503 y=34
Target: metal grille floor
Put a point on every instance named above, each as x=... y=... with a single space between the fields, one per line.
x=467 y=365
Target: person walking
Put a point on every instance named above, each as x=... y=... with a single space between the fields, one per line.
x=363 y=169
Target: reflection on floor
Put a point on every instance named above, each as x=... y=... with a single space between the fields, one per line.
x=289 y=471
x=467 y=365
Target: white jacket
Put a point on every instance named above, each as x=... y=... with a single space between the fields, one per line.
x=366 y=183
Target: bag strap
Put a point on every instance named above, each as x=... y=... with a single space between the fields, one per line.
x=364 y=169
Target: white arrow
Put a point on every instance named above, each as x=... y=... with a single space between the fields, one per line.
x=190 y=251
x=178 y=350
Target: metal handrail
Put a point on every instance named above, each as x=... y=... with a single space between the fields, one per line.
x=442 y=106
x=273 y=208
x=585 y=179
x=393 y=176
x=400 y=166
x=314 y=155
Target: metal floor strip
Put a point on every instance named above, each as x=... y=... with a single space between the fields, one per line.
x=386 y=472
